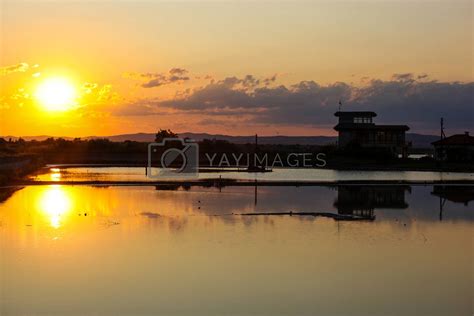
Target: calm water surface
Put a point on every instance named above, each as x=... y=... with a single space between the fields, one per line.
x=83 y=250
x=278 y=174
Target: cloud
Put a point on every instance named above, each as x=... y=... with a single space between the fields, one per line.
x=302 y=103
x=403 y=77
x=96 y=97
x=404 y=99
x=153 y=80
x=150 y=215
x=418 y=103
x=88 y=87
x=21 y=67
x=105 y=93
x=178 y=71
x=270 y=80
x=415 y=100
x=156 y=82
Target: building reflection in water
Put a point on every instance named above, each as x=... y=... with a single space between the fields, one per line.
x=352 y=202
x=455 y=194
x=362 y=200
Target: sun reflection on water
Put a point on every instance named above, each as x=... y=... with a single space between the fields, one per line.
x=55 y=203
x=55 y=174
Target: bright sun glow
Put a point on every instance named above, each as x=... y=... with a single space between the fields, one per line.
x=55 y=203
x=56 y=94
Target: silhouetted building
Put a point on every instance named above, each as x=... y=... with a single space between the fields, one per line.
x=358 y=129
x=360 y=200
x=459 y=147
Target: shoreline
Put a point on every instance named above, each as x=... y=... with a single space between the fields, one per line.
x=25 y=179
x=232 y=182
x=210 y=169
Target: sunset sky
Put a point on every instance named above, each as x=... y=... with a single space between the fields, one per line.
x=80 y=68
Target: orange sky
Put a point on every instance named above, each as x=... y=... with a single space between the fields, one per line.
x=118 y=57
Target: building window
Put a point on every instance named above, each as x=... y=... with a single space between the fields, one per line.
x=365 y=120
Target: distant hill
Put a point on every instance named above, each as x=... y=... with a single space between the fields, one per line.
x=280 y=140
x=28 y=138
x=418 y=140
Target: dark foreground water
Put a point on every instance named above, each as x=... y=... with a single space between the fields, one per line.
x=81 y=250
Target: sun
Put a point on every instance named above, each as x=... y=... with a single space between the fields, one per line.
x=56 y=94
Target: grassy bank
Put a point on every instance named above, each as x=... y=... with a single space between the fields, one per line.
x=14 y=168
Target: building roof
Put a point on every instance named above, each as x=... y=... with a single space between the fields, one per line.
x=355 y=113
x=458 y=140
x=370 y=126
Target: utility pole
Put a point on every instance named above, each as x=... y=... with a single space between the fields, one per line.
x=443 y=136
x=256 y=193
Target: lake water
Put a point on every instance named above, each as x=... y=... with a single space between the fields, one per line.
x=278 y=174
x=145 y=250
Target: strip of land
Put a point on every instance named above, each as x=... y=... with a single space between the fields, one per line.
x=337 y=217
x=233 y=182
x=19 y=159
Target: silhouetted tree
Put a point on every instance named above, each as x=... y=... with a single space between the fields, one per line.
x=163 y=133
